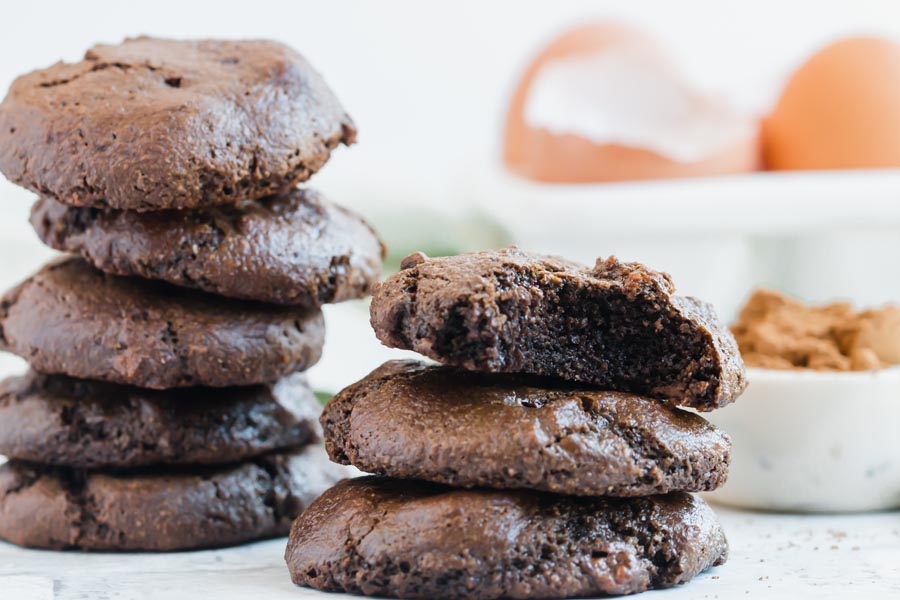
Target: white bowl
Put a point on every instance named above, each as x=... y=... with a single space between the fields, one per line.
x=811 y=441
x=783 y=202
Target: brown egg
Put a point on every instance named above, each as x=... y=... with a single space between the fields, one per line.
x=840 y=110
x=602 y=103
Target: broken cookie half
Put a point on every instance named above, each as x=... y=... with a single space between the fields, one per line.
x=617 y=325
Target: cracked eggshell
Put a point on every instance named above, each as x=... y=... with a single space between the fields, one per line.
x=602 y=103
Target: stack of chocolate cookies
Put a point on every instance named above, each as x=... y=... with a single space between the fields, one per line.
x=165 y=408
x=548 y=459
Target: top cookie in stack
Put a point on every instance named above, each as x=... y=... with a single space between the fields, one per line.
x=619 y=326
x=169 y=167
x=153 y=124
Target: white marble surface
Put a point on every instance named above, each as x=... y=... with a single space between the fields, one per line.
x=772 y=556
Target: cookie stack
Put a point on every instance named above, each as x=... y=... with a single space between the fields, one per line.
x=165 y=408
x=548 y=459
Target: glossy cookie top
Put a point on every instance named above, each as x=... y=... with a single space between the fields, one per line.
x=72 y=319
x=84 y=423
x=411 y=420
x=293 y=248
x=160 y=509
x=409 y=539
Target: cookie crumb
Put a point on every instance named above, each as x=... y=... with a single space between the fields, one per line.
x=413 y=260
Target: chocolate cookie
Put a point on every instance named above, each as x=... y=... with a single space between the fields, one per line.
x=70 y=318
x=151 y=124
x=619 y=325
x=58 y=420
x=412 y=420
x=380 y=536
x=294 y=248
x=160 y=509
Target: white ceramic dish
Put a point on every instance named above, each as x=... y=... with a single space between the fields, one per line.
x=808 y=441
x=764 y=202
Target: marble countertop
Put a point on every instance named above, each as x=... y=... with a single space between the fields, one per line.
x=772 y=556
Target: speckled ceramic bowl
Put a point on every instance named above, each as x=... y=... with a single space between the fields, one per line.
x=810 y=441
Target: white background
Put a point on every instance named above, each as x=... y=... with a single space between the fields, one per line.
x=427 y=82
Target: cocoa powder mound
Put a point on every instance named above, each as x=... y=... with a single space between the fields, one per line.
x=776 y=331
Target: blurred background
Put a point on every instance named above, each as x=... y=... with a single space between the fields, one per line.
x=431 y=93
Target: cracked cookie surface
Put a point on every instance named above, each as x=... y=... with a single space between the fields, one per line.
x=416 y=421
x=58 y=420
x=152 y=123
x=72 y=319
x=160 y=510
x=295 y=248
x=408 y=539
x=619 y=326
